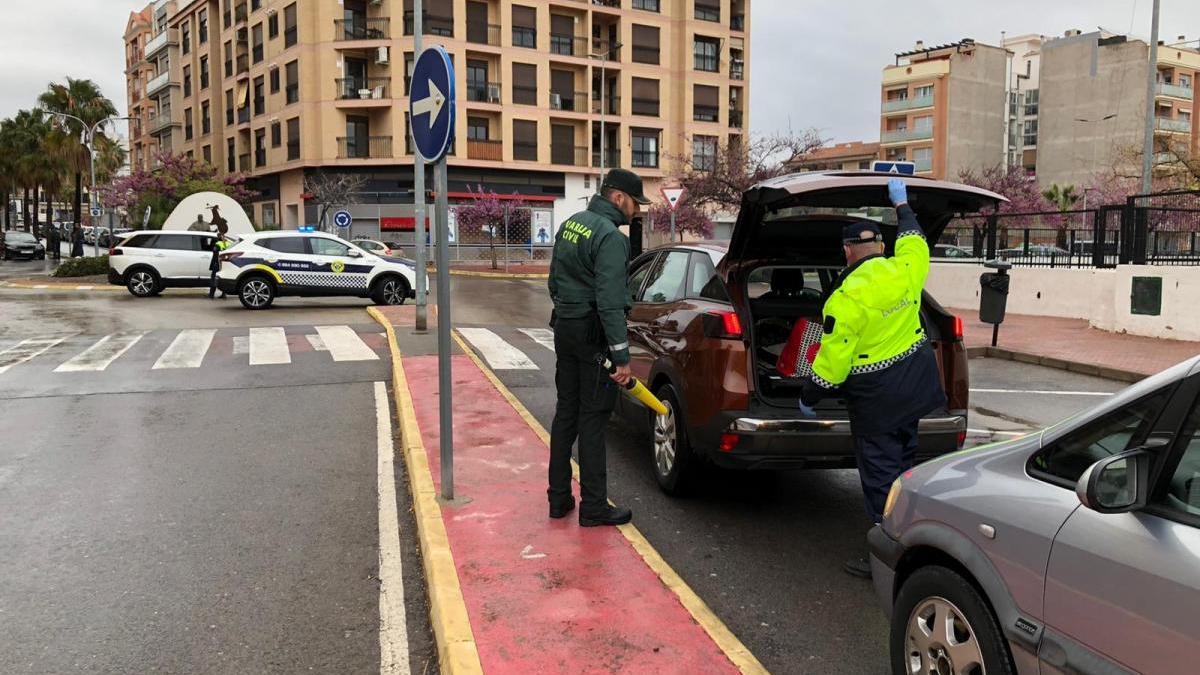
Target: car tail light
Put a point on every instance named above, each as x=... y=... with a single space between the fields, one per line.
x=115 y=251
x=729 y=442
x=226 y=257
x=723 y=324
x=962 y=438
x=958 y=328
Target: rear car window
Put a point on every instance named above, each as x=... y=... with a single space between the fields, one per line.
x=285 y=244
x=323 y=246
x=666 y=280
x=704 y=281
x=176 y=242
x=138 y=241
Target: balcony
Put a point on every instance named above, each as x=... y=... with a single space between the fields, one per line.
x=260 y=158
x=737 y=22
x=364 y=147
x=735 y=119
x=1175 y=91
x=244 y=162
x=607 y=3
x=158 y=84
x=569 y=101
x=602 y=46
x=568 y=45
x=485 y=149
x=612 y=157
x=433 y=25
x=168 y=37
x=240 y=14
x=483 y=34
x=361 y=28
x=483 y=92
x=243 y=116
x=243 y=65
x=901 y=104
x=907 y=135
x=1173 y=126
x=923 y=164
x=612 y=105
x=737 y=70
x=568 y=155
x=363 y=88
x=162 y=121
x=706 y=113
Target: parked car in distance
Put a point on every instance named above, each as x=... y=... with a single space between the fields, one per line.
x=708 y=322
x=148 y=261
x=376 y=247
x=1035 y=251
x=1073 y=549
x=22 y=245
x=109 y=238
x=949 y=251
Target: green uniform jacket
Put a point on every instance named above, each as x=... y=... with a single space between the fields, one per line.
x=588 y=272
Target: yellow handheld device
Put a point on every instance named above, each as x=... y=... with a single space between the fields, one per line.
x=638 y=391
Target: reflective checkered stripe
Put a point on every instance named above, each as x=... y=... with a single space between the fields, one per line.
x=822 y=382
x=911 y=233
x=324 y=279
x=888 y=363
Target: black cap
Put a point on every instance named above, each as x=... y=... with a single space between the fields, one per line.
x=861 y=232
x=626 y=181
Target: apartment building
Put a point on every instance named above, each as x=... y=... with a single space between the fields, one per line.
x=1093 y=105
x=283 y=88
x=852 y=156
x=139 y=29
x=943 y=107
x=1024 y=76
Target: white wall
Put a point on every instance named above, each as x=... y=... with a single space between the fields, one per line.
x=575 y=197
x=1100 y=296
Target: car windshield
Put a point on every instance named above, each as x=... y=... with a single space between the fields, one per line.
x=20 y=237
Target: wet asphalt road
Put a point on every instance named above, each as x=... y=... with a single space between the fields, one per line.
x=765 y=550
x=218 y=519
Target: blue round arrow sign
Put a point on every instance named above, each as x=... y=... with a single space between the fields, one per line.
x=431 y=105
x=343 y=219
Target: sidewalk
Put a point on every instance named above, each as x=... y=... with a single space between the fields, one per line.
x=483 y=268
x=1071 y=344
x=528 y=594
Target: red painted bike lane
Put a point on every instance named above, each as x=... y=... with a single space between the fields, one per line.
x=544 y=595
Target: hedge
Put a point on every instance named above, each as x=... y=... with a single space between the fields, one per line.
x=82 y=267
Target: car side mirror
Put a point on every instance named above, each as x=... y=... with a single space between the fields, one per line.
x=1121 y=483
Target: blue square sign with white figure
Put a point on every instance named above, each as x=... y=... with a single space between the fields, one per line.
x=898 y=167
x=431 y=103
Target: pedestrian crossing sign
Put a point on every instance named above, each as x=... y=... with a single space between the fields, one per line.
x=673 y=195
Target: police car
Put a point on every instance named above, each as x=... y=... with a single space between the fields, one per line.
x=267 y=265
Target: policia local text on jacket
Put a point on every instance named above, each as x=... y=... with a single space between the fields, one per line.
x=875 y=352
x=588 y=286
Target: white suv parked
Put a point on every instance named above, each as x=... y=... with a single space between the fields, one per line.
x=148 y=261
x=267 y=265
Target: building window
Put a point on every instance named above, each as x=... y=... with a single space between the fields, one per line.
x=228 y=107
x=1029 y=134
x=203 y=36
x=289 y=25
x=706 y=103
x=187 y=80
x=923 y=123
x=273 y=26
x=648 y=5
x=276 y=134
x=260 y=148
x=293 y=82
x=255 y=5
x=268 y=216
x=205 y=118
x=706 y=54
x=227 y=13
x=708 y=10
x=922 y=155
x=1031 y=103
x=477 y=128
x=229 y=59
x=260 y=99
x=923 y=91
x=231 y=155
x=274 y=80
x=257 y=41
x=186 y=36
x=203 y=73
x=206 y=153
x=704 y=153
x=525 y=143
x=293 y=142
x=645 y=44
x=645 y=148
x=524 y=84
x=188 y=130
x=645 y=97
x=524 y=31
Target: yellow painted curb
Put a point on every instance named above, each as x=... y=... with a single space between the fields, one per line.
x=724 y=638
x=457 y=652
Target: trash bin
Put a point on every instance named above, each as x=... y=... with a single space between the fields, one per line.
x=993 y=295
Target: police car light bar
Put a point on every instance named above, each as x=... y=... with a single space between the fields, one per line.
x=307 y=228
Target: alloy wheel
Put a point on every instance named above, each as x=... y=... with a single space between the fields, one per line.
x=665 y=441
x=941 y=641
x=392 y=293
x=143 y=283
x=256 y=293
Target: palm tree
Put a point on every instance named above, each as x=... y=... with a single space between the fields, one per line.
x=1062 y=196
x=8 y=157
x=81 y=98
x=23 y=136
x=110 y=158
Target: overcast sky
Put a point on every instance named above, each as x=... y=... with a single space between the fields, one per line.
x=814 y=63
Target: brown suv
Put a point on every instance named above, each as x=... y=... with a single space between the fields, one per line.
x=709 y=321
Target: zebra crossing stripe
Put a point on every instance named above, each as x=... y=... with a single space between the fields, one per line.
x=187 y=350
x=25 y=350
x=344 y=344
x=269 y=346
x=542 y=336
x=499 y=354
x=98 y=357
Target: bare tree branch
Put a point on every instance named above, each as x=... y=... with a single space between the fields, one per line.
x=717 y=180
x=333 y=190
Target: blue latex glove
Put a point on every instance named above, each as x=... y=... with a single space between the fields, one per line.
x=807 y=411
x=897 y=192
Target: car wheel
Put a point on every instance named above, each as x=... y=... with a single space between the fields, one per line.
x=256 y=293
x=391 y=291
x=673 y=457
x=142 y=283
x=941 y=624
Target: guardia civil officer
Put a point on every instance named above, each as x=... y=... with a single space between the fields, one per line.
x=588 y=286
x=876 y=353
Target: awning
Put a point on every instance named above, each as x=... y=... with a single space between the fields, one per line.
x=243 y=95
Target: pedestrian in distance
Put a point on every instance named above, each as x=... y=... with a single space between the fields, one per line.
x=874 y=351
x=76 y=241
x=214 y=266
x=587 y=283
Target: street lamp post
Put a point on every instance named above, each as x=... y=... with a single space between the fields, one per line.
x=603 y=56
x=89 y=137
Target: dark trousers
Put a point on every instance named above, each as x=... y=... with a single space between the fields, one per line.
x=212 y=284
x=586 y=397
x=881 y=460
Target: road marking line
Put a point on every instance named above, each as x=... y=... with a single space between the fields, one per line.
x=393 y=624
x=317 y=343
x=268 y=346
x=84 y=288
x=993 y=432
x=737 y=653
x=542 y=336
x=41 y=286
x=499 y=354
x=345 y=345
x=187 y=350
x=98 y=357
x=25 y=350
x=1041 y=392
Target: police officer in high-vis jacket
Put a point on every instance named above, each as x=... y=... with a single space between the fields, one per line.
x=874 y=351
x=588 y=286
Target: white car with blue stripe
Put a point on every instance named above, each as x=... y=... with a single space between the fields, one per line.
x=267 y=265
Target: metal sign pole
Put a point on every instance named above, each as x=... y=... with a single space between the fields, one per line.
x=445 y=396
x=419 y=191
x=672 y=225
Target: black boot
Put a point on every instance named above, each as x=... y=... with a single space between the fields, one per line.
x=610 y=515
x=560 y=509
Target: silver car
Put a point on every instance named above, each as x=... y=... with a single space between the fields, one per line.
x=1073 y=550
